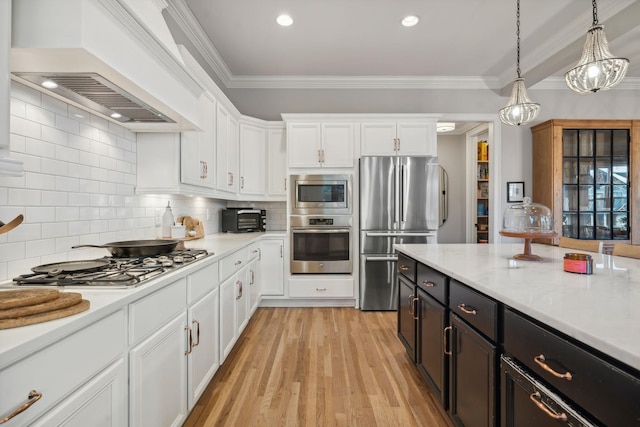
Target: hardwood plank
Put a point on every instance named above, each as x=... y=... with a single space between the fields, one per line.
x=324 y=366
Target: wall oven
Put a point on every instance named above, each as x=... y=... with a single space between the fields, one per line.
x=321 y=244
x=320 y=194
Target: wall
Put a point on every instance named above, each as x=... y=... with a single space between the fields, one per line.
x=451 y=156
x=78 y=186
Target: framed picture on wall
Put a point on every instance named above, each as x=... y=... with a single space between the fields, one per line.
x=515 y=192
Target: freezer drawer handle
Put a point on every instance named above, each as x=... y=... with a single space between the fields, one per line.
x=540 y=360
x=428 y=284
x=444 y=339
x=467 y=309
x=535 y=398
x=33 y=396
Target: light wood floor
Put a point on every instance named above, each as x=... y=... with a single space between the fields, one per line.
x=318 y=367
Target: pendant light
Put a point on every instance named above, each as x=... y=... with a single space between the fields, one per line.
x=519 y=110
x=597 y=68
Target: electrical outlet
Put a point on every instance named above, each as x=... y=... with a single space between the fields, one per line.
x=158 y=220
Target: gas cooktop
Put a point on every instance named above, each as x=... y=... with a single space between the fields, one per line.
x=109 y=272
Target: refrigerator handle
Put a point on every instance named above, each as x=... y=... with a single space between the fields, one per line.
x=381 y=258
x=402 y=195
x=396 y=191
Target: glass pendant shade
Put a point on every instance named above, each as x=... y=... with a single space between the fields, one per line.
x=519 y=110
x=597 y=68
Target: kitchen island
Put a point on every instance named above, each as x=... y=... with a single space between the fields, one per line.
x=575 y=334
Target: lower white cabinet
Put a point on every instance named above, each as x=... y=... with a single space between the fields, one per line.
x=254 y=278
x=312 y=286
x=227 y=316
x=272 y=266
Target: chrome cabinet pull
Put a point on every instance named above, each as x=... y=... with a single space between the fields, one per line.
x=238 y=262
x=445 y=341
x=253 y=278
x=403 y=268
x=285 y=184
x=321 y=289
x=535 y=398
x=319 y=156
x=242 y=182
x=189 y=340
x=197 y=343
x=413 y=303
x=281 y=252
x=33 y=397
x=540 y=360
x=239 y=284
x=428 y=284
x=467 y=309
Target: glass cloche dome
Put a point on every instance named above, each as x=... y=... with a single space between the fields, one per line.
x=527 y=218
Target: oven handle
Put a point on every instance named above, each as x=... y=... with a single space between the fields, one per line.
x=381 y=258
x=398 y=234
x=322 y=230
x=250 y=211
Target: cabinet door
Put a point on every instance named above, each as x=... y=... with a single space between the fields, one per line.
x=272 y=267
x=253 y=144
x=304 y=145
x=337 y=144
x=417 y=139
x=223 y=178
x=204 y=359
x=233 y=152
x=472 y=377
x=277 y=168
x=242 y=300
x=207 y=168
x=227 y=317
x=197 y=148
x=431 y=359
x=406 y=315
x=102 y=402
x=378 y=139
x=254 y=285
x=158 y=377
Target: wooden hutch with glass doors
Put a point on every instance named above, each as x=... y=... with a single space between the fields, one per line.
x=583 y=170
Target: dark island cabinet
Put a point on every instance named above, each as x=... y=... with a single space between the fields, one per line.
x=407 y=305
x=431 y=359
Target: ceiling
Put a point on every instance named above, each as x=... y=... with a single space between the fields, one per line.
x=359 y=44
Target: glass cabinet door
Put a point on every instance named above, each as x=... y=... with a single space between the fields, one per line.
x=595 y=190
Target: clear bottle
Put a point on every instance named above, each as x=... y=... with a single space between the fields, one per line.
x=167 y=221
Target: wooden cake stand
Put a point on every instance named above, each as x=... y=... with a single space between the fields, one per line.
x=527 y=236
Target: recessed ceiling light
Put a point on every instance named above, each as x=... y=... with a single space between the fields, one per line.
x=445 y=127
x=284 y=20
x=49 y=84
x=116 y=115
x=410 y=21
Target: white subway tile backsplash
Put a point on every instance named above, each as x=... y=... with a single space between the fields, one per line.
x=87 y=134
x=55 y=105
x=108 y=163
x=54 y=198
x=99 y=226
x=65 y=183
x=25 y=127
x=54 y=167
x=66 y=124
x=40 y=115
x=67 y=154
x=36 y=248
x=79 y=171
x=39 y=214
x=24 y=232
x=55 y=136
x=89 y=159
x=79 y=199
x=18 y=108
x=12 y=251
x=17 y=143
x=90 y=213
x=54 y=229
x=65 y=243
x=77 y=228
x=67 y=214
x=20 y=196
x=108 y=187
x=37 y=147
x=100 y=124
x=39 y=181
x=26 y=94
x=79 y=115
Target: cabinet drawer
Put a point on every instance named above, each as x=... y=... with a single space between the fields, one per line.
x=253 y=251
x=603 y=390
x=301 y=288
x=478 y=310
x=202 y=282
x=150 y=313
x=233 y=263
x=407 y=267
x=433 y=282
x=59 y=369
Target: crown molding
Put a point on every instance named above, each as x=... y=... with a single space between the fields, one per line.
x=558 y=83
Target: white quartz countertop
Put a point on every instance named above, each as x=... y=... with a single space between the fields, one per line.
x=601 y=310
x=17 y=343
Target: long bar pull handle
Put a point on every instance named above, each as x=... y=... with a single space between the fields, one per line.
x=33 y=397
x=189 y=340
x=540 y=360
x=415 y=306
x=195 y=322
x=535 y=398
x=444 y=340
x=281 y=252
x=411 y=304
x=467 y=309
x=403 y=213
x=396 y=192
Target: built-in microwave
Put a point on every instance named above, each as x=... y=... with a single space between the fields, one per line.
x=242 y=220
x=320 y=194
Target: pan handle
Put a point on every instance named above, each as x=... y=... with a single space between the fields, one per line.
x=89 y=246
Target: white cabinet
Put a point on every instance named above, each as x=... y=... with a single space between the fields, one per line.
x=158 y=369
x=197 y=148
x=313 y=145
x=272 y=266
x=406 y=138
x=312 y=286
x=226 y=151
x=253 y=147
x=277 y=165
x=242 y=301
x=227 y=316
x=254 y=277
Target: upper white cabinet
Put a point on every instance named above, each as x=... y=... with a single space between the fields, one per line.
x=277 y=165
x=197 y=149
x=314 y=145
x=410 y=138
x=253 y=146
x=226 y=151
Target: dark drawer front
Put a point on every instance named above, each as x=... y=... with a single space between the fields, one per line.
x=433 y=282
x=601 y=389
x=407 y=267
x=478 y=310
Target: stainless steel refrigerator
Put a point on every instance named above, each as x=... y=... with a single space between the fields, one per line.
x=398 y=204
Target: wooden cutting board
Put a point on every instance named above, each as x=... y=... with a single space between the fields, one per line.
x=24 y=297
x=64 y=300
x=46 y=316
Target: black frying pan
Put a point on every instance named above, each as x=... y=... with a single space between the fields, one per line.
x=135 y=248
x=70 y=266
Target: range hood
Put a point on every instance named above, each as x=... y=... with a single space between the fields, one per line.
x=113 y=58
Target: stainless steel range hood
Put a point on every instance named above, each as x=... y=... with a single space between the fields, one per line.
x=105 y=56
